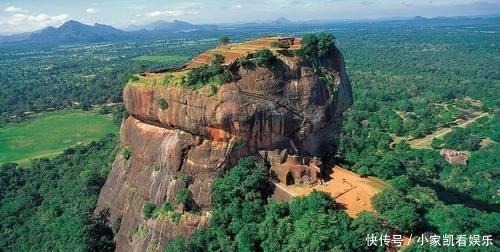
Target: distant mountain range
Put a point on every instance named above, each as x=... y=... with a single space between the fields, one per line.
x=76 y=32
x=73 y=31
x=175 y=26
x=70 y=32
x=281 y=21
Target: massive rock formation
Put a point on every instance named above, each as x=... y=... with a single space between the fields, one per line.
x=198 y=136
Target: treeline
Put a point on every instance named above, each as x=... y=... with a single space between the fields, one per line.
x=410 y=82
x=406 y=82
x=479 y=179
x=48 y=206
x=244 y=220
x=77 y=76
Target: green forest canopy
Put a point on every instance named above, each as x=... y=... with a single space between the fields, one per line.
x=49 y=205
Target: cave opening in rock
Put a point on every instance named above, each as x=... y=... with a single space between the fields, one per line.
x=289 y=178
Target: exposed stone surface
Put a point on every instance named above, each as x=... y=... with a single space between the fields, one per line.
x=454 y=157
x=200 y=136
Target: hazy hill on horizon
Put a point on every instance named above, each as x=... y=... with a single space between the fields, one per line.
x=174 y=26
x=76 y=32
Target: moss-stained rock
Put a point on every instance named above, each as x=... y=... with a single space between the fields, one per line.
x=200 y=135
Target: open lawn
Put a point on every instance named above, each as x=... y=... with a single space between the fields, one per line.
x=161 y=59
x=50 y=133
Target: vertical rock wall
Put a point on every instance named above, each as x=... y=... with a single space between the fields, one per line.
x=199 y=137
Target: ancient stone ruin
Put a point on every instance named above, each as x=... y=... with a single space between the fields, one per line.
x=194 y=136
x=292 y=169
x=454 y=157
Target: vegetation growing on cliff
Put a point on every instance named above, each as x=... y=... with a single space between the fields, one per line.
x=264 y=58
x=164 y=212
x=205 y=74
x=126 y=153
x=49 y=205
x=147 y=209
x=317 y=46
x=185 y=197
x=162 y=103
x=246 y=64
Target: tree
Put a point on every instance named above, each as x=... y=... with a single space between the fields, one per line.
x=162 y=103
x=205 y=74
x=462 y=139
x=218 y=60
x=185 y=197
x=119 y=114
x=274 y=230
x=437 y=143
x=264 y=58
x=147 y=209
x=246 y=239
x=49 y=205
x=317 y=46
x=179 y=244
x=280 y=44
x=100 y=237
x=326 y=44
x=223 y=40
x=104 y=110
x=126 y=153
x=396 y=209
x=405 y=219
x=388 y=199
x=318 y=225
x=401 y=183
x=246 y=64
x=367 y=223
x=12 y=177
x=85 y=105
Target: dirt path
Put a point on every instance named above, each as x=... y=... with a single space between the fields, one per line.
x=425 y=142
x=285 y=189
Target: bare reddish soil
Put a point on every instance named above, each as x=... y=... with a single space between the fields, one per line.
x=347 y=188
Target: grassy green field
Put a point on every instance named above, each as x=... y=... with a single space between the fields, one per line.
x=161 y=59
x=50 y=133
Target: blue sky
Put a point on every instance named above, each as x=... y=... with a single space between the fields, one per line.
x=28 y=15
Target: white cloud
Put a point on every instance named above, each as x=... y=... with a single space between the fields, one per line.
x=166 y=13
x=14 y=9
x=91 y=10
x=20 y=22
x=181 y=10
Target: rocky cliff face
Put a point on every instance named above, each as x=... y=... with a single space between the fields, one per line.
x=199 y=136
